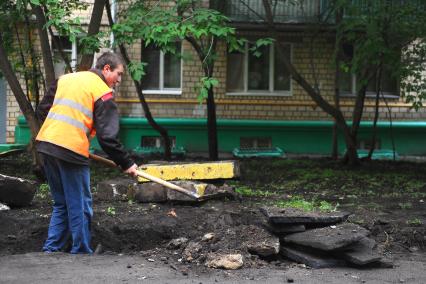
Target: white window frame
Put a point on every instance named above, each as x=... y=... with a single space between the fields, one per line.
x=73 y=51
x=368 y=94
x=162 y=90
x=271 y=92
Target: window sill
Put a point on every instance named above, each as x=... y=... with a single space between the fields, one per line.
x=162 y=92
x=263 y=94
x=371 y=95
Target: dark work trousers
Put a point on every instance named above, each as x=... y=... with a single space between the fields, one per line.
x=72 y=205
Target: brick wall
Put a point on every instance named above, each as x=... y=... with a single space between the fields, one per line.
x=299 y=106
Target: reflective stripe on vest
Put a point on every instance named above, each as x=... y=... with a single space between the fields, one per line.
x=73 y=104
x=69 y=120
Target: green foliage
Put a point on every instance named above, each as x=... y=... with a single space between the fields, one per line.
x=163 y=25
x=111 y=211
x=309 y=206
x=405 y=205
x=415 y=222
x=60 y=16
x=206 y=84
x=91 y=44
x=43 y=191
x=255 y=48
x=387 y=35
x=136 y=70
x=249 y=192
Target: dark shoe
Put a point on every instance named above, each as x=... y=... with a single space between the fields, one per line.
x=99 y=249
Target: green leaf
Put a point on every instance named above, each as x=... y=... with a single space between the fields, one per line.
x=136 y=70
x=203 y=95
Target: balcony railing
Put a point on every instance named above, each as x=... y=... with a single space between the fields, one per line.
x=303 y=11
x=284 y=11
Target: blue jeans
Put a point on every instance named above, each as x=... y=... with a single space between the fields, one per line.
x=72 y=205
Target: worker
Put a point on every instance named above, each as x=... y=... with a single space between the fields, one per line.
x=81 y=106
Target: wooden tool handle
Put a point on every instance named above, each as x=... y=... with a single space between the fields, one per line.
x=167 y=184
x=106 y=161
x=148 y=177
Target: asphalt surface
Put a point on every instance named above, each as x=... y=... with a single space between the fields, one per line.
x=64 y=268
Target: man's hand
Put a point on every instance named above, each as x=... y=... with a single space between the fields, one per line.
x=132 y=171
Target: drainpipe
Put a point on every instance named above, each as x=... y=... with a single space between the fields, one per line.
x=113 y=12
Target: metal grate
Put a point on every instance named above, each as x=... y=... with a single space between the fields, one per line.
x=255 y=142
x=155 y=141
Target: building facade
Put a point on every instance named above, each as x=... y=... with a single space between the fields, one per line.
x=258 y=104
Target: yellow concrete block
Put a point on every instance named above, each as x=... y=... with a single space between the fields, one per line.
x=192 y=171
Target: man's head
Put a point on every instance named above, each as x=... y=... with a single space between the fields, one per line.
x=111 y=66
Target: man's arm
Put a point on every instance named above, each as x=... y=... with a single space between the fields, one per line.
x=106 y=123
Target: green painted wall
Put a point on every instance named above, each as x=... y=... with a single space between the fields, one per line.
x=304 y=137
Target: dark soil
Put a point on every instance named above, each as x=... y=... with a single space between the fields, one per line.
x=385 y=197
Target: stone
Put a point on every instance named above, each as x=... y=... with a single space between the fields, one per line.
x=293 y=216
x=16 y=192
x=177 y=243
x=192 y=186
x=227 y=261
x=208 y=237
x=192 y=251
x=116 y=189
x=4 y=207
x=150 y=192
x=362 y=253
x=206 y=191
x=310 y=258
x=263 y=243
x=329 y=239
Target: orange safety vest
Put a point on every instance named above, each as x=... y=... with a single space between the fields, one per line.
x=69 y=123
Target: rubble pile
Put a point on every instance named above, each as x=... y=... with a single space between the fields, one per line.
x=316 y=239
x=322 y=240
x=227 y=248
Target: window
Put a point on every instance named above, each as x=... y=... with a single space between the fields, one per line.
x=366 y=144
x=348 y=82
x=163 y=72
x=70 y=50
x=156 y=141
x=255 y=142
x=263 y=75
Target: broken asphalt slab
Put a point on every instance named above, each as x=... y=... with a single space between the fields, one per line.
x=314 y=260
x=362 y=252
x=293 y=216
x=329 y=238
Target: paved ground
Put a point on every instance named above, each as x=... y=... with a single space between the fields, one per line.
x=65 y=268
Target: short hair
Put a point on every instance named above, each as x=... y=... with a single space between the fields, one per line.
x=109 y=58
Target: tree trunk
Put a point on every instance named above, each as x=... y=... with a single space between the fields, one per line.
x=94 y=25
x=338 y=47
x=163 y=132
x=44 y=43
x=212 y=126
x=208 y=68
x=376 y=113
x=24 y=105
